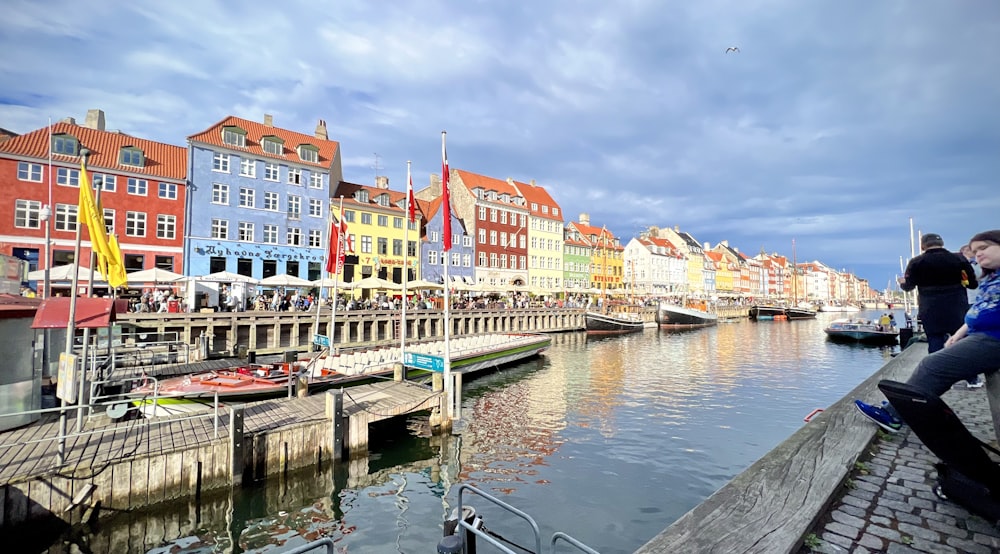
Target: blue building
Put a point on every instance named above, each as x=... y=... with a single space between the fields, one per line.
x=432 y=255
x=259 y=199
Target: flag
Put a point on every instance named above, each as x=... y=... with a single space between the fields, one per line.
x=333 y=255
x=116 y=265
x=88 y=213
x=445 y=195
x=410 y=201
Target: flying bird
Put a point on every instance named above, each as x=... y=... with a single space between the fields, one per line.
x=732 y=49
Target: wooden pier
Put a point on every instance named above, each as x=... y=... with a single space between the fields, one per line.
x=131 y=464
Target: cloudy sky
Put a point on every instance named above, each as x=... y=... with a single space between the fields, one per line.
x=834 y=124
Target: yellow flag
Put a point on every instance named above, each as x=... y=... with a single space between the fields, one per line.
x=89 y=214
x=117 y=277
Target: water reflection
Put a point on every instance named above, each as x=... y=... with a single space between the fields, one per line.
x=609 y=440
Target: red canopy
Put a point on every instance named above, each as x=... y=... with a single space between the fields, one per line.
x=91 y=313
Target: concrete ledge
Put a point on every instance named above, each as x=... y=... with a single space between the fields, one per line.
x=771 y=506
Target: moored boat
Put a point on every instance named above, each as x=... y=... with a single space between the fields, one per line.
x=796 y=312
x=839 y=308
x=613 y=323
x=672 y=316
x=762 y=312
x=863 y=331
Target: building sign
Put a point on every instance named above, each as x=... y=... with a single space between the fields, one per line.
x=266 y=252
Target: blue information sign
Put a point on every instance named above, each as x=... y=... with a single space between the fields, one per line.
x=423 y=361
x=321 y=340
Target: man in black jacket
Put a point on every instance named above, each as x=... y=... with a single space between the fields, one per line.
x=940 y=278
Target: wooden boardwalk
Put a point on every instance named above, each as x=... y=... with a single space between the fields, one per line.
x=128 y=464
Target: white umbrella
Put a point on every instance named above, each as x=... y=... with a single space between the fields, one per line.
x=285 y=281
x=329 y=283
x=225 y=277
x=154 y=275
x=420 y=284
x=65 y=273
x=375 y=283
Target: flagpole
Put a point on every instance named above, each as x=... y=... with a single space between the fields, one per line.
x=449 y=389
x=46 y=215
x=319 y=293
x=406 y=267
x=336 y=281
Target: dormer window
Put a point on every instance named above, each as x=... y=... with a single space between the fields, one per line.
x=555 y=211
x=361 y=196
x=131 y=155
x=66 y=145
x=493 y=195
x=382 y=200
x=505 y=198
x=273 y=145
x=308 y=153
x=234 y=136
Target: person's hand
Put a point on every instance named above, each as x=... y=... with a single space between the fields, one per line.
x=952 y=340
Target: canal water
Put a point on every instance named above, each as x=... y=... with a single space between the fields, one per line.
x=609 y=440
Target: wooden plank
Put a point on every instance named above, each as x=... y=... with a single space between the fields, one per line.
x=138 y=495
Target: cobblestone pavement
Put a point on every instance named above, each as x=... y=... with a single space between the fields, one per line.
x=889 y=506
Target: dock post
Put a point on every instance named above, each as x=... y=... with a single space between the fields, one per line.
x=236 y=443
x=398 y=372
x=335 y=411
x=437 y=382
x=458 y=396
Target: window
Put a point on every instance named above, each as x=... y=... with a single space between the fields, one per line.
x=134 y=262
x=482 y=259
x=234 y=136
x=366 y=218
x=383 y=221
x=482 y=213
x=108 y=183
x=137 y=186
x=244 y=266
x=220 y=193
x=272 y=146
x=366 y=244
x=294 y=236
x=315 y=238
x=65 y=145
x=467 y=260
x=494 y=260
x=131 y=156
x=65 y=217
x=29 y=172
x=545 y=209
x=482 y=236
x=308 y=153
x=315 y=180
x=28 y=214
x=271 y=201
x=383 y=246
x=294 y=206
x=135 y=224
x=270 y=234
x=349 y=216
x=68 y=177
x=411 y=248
x=435 y=236
x=382 y=200
x=292 y=268
x=456 y=259
x=493 y=237
x=109 y=220
x=220 y=229
x=248 y=167
x=397 y=222
x=168 y=191
x=294 y=176
x=216 y=264
x=166 y=226
x=220 y=162
x=245 y=231
x=270 y=172
x=432 y=257
x=164 y=262
x=270 y=268
x=493 y=215
x=247 y=197
x=555 y=211
x=466 y=241
x=503 y=217
x=315 y=207
x=397 y=247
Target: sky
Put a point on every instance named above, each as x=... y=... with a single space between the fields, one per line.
x=834 y=125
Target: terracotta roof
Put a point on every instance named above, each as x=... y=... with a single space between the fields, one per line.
x=473 y=181
x=537 y=195
x=349 y=190
x=160 y=159
x=589 y=230
x=255 y=132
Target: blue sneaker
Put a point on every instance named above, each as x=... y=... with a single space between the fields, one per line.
x=881 y=416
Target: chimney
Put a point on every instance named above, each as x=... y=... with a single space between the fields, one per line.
x=95 y=120
x=70 y=120
x=381 y=182
x=268 y=120
x=532 y=182
x=725 y=243
x=320 y=131
x=584 y=219
x=510 y=181
x=677 y=228
x=707 y=246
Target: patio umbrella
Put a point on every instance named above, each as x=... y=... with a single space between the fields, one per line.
x=225 y=277
x=329 y=283
x=65 y=273
x=154 y=275
x=376 y=283
x=420 y=284
x=285 y=281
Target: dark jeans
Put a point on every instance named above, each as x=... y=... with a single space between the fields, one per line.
x=966 y=359
x=935 y=341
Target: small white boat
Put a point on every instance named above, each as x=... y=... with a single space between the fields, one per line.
x=862 y=331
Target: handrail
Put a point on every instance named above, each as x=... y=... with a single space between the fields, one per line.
x=559 y=535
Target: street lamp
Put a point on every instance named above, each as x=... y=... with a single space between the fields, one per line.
x=44 y=216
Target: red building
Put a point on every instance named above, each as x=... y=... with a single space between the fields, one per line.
x=143 y=189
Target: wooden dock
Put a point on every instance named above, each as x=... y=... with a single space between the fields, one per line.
x=130 y=464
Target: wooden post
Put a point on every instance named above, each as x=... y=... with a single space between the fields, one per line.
x=458 y=396
x=437 y=382
x=236 y=443
x=335 y=412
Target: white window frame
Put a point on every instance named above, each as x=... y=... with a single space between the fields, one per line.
x=272 y=201
x=27 y=214
x=168 y=191
x=134 y=223
x=248 y=167
x=68 y=177
x=248 y=197
x=270 y=234
x=294 y=176
x=315 y=180
x=29 y=172
x=272 y=172
x=315 y=207
x=220 y=162
x=220 y=194
x=294 y=236
x=220 y=229
x=315 y=238
x=294 y=207
x=137 y=187
x=166 y=226
x=244 y=231
x=65 y=217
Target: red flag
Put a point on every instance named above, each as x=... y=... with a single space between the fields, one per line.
x=333 y=256
x=445 y=194
x=409 y=198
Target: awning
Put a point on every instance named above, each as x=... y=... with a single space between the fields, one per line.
x=91 y=313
